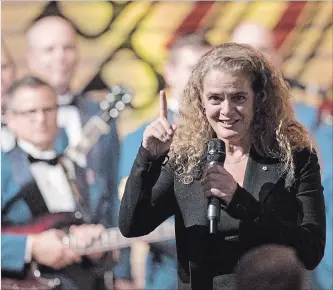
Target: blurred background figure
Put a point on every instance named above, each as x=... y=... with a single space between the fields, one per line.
x=8 y=74
x=53 y=56
x=279 y=270
x=184 y=53
x=320 y=127
x=42 y=189
x=259 y=37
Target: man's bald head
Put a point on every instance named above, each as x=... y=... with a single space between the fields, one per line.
x=48 y=25
x=52 y=53
x=259 y=37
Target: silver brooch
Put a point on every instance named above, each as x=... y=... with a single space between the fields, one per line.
x=188 y=179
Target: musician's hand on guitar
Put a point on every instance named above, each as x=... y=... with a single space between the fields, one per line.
x=48 y=249
x=85 y=235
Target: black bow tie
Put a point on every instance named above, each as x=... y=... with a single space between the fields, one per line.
x=54 y=161
x=73 y=102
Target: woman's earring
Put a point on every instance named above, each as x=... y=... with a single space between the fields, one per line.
x=204 y=111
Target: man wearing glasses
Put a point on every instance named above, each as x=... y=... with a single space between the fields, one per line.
x=36 y=183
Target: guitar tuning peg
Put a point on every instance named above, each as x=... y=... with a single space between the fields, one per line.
x=120 y=105
x=104 y=104
x=116 y=89
x=111 y=97
x=126 y=98
x=114 y=113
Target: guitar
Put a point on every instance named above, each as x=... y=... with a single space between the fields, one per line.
x=110 y=239
x=114 y=103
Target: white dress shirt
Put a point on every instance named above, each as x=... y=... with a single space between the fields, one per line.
x=51 y=180
x=52 y=183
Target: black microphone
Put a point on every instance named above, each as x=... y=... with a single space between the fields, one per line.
x=215 y=154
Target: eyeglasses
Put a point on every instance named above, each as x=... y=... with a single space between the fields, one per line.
x=33 y=113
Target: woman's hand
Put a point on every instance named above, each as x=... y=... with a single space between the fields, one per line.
x=218 y=182
x=158 y=135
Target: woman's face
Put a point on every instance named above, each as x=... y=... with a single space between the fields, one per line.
x=228 y=103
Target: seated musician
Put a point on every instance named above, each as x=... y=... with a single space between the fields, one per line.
x=37 y=183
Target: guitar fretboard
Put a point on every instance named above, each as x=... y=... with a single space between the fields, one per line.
x=97 y=126
x=112 y=239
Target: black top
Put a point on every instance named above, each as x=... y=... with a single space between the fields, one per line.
x=268 y=209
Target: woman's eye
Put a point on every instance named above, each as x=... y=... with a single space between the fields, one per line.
x=214 y=99
x=239 y=98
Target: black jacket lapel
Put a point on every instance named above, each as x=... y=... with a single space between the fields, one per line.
x=29 y=191
x=262 y=173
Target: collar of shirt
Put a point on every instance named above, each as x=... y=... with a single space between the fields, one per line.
x=35 y=152
x=65 y=100
x=173 y=105
x=3 y=120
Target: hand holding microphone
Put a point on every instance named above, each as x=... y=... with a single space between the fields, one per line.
x=158 y=135
x=218 y=184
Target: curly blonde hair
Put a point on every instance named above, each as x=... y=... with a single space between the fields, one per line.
x=275 y=132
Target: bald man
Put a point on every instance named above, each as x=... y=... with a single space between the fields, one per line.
x=52 y=53
x=260 y=38
x=53 y=56
x=8 y=75
x=263 y=40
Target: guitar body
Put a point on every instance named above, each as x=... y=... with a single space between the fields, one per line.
x=33 y=280
x=111 y=239
x=58 y=220
x=27 y=284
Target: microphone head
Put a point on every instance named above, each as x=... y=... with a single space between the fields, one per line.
x=216 y=151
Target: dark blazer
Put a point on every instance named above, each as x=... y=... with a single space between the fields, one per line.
x=269 y=208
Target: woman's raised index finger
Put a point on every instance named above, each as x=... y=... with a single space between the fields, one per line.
x=163 y=105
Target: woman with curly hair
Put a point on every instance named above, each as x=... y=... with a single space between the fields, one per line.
x=269 y=185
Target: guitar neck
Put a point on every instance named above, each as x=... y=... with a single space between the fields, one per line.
x=112 y=239
x=98 y=125
x=92 y=131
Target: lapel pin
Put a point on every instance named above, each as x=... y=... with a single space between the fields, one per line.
x=264 y=168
